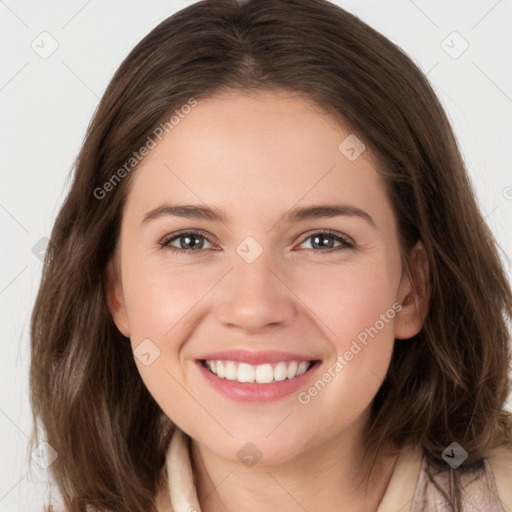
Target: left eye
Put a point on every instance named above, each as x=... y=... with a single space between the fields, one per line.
x=193 y=242
x=322 y=240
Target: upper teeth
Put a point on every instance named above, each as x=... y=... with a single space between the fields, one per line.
x=261 y=373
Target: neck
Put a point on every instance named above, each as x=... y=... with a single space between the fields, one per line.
x=330 y=476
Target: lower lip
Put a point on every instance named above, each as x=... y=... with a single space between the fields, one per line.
x=253 y=392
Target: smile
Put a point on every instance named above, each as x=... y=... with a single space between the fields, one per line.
x=248 y=376
x=261 y=374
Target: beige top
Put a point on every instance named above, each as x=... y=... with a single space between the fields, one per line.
x=414 y=486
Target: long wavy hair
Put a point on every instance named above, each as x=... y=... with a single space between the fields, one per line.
x=450 y=382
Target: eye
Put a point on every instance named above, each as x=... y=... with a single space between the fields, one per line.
x=187 y=241
x=193 y=242
x=325 y=241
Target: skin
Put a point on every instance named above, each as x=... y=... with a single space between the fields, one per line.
x=255 y=157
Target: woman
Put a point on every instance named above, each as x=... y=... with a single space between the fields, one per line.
x=270 y=285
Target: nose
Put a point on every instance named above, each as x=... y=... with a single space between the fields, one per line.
x=255 y=296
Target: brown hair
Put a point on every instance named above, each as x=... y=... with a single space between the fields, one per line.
x=449 y=383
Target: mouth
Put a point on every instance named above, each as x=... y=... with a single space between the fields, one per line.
x=256 y=377
x=265 y=373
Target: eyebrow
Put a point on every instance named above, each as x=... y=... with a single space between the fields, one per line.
x=190 y=211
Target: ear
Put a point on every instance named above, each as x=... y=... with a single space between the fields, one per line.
x=115 y=298
x=413 y=294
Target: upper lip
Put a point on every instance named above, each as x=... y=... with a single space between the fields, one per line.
x=254 y=357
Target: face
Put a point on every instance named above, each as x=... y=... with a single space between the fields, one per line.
x=286 y=259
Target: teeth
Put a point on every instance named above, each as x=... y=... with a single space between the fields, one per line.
x=261 y=373
x=291 y=371
x=280 y=371
x=303 y=366
x=264 y=374
x=245 y=373
x=230 y=371
x=221 y=372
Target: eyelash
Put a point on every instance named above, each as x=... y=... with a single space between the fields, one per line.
x=347 y=243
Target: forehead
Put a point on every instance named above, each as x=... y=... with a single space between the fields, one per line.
x=260 y=153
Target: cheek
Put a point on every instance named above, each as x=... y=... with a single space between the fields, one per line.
x=346 y=300
x=161 y=300
x=163 y=307
x=354 y=309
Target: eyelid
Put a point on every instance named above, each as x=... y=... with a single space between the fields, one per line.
x=346 y=241
x=336 y=234
x=177 y=234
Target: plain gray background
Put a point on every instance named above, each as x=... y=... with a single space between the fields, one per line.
x=47 y=100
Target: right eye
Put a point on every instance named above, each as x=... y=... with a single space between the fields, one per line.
x=189 y=241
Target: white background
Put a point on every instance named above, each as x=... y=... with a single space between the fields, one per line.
x=46 y=105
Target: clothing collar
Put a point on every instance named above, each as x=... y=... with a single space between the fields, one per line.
x=180 y=494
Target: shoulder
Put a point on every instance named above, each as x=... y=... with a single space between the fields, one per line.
x=485 y=484
x=163 y=498
x=400 y=490
x=500 y=462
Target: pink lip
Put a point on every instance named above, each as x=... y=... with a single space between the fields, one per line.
x=252 y=357
x=253 y=392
